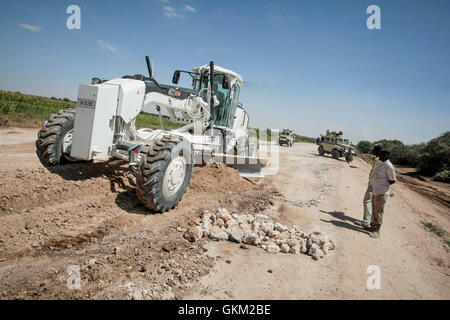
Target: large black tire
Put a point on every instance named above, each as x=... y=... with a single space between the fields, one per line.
x=152 y=173
x=321 y=151
x=335 y=154
x=50 y=138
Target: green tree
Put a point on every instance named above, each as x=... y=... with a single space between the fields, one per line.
x=435 y=156
x=364 y=146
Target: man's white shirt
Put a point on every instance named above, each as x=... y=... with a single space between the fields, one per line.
x=383 y=174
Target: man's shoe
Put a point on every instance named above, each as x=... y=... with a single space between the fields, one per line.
x=368 y=228
x=361 y=223
x=374 y=234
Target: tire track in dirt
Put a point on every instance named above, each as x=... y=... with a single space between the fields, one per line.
x=88 y=215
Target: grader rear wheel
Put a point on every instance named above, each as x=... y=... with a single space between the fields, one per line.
x=55 y=139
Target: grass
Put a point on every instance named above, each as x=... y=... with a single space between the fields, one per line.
x=437 y=230
x=24 y=110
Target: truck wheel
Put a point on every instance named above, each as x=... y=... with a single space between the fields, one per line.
x=55 y=139
x=335 y=154
x=165 y=173
x=321 y=151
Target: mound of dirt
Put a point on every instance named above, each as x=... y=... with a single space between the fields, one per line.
x=88 y=215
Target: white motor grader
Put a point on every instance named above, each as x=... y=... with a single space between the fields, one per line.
x=103 y=126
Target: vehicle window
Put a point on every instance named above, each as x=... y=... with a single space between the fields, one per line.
x=222 y=111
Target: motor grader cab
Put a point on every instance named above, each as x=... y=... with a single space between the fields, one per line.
x=103 y=126
x=333 y=143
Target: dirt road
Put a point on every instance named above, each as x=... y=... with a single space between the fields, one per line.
x=88 y=216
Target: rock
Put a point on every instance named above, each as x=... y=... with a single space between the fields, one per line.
x=219 y=222
x=315 y=252
x=269 y=271
x=217 y=234
x=292 y=242
x=206 y=222
x=224 y=214
x=279 y=242
x=325 y=248
x=295 y=249
x=261 y=217
x=228 y=261
x=280 y=227
x=250 y=238
x=273 y=248
x=29 y=224
x=245 y=226
x=285 y=248
x=236 y=235
x=230 y=223
x=267 y=226
x=250 y=218
x=194 y=234
x=273 y=233
x=284 y=235
x=303 y=246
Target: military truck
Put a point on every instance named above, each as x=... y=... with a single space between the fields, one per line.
x=334 y=144
x=286 y=138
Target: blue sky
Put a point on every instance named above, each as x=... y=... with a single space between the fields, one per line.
x=308 y=65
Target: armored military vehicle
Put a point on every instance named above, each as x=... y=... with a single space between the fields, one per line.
x=286 y=138
x=334 y=144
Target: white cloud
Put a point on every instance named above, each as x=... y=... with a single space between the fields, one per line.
x=171 y=12
x=189 y=8
x=106 y=45
x=31 y=27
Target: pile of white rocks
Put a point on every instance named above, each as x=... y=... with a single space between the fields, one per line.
x=260 y=231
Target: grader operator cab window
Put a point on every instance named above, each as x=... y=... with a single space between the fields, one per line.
x=222 y=111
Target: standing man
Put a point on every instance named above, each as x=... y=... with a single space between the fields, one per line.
x=383 y=177
x=367 y=201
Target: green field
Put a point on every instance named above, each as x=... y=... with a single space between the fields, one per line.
x=22 y=110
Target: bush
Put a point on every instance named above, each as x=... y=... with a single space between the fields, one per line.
x=435 y=156
x=443 y=176
x=364 y=146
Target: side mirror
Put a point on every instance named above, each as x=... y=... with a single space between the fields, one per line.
x=176 y=77
x=225 y=83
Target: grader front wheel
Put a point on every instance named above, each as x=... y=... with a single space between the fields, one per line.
x=165 y=173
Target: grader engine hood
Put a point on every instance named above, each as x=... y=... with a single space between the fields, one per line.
x=97 y=107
